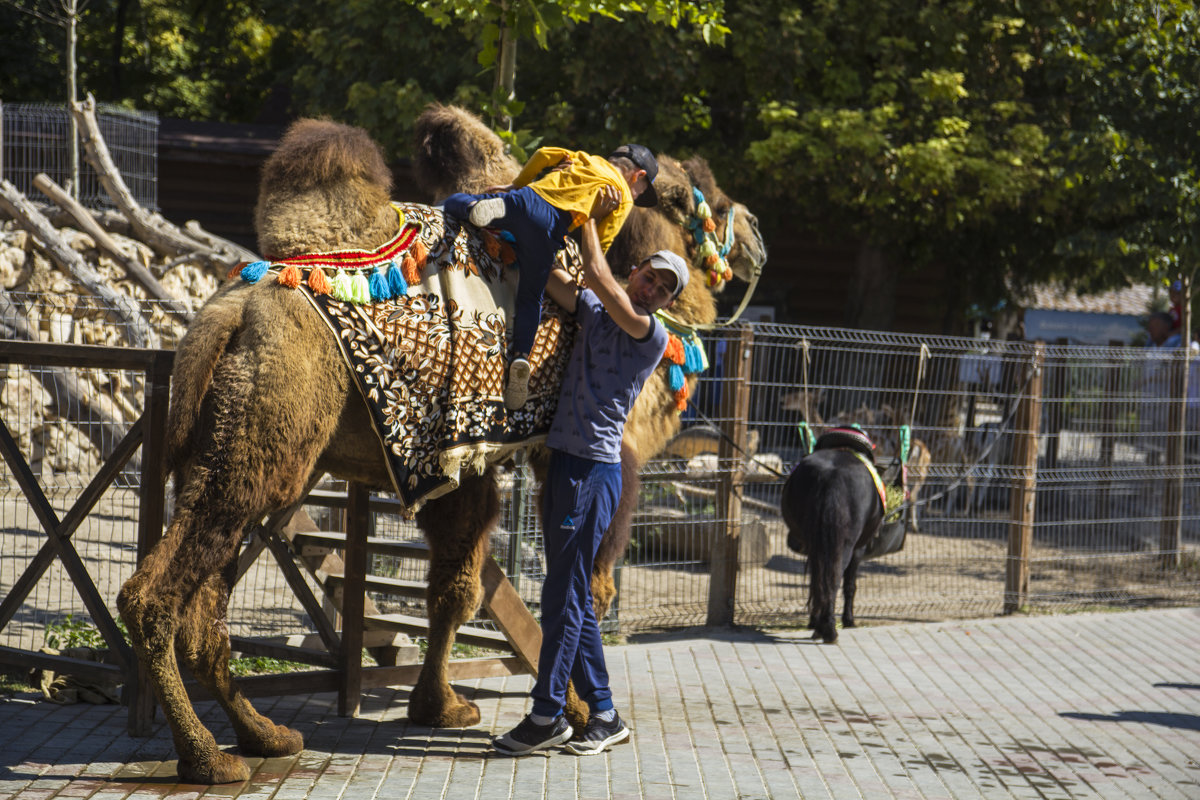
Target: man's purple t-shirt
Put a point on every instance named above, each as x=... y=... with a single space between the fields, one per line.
x=603 y=379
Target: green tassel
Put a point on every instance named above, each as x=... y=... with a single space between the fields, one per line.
x=360 y=289
x=340 y=288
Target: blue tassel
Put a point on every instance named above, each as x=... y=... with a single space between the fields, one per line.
x=360 y=289
x=379 y=286
x=675 y=375
x=254 y=271
x=339 y=287
x=506 y=236
x=396 y=282
x=693 y=357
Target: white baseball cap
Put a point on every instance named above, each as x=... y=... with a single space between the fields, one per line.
x=671 y=262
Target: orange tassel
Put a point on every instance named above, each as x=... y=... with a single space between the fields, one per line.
x=674 y=352
x=681 y=399
x=711 y=261
x=728 y=274
x=507 y=254
x=710 y=225
x=317 y=281
x=412 y=272
x=236 y=270
x=491 y=245
x=289 y=276
x=420 y=252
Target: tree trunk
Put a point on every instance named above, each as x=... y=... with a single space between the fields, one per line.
x=872 y=300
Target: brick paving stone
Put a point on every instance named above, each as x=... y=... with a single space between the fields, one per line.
x=1073 y=707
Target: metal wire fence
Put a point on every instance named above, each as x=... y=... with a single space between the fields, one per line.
x=35 y=137
x=1116 y=519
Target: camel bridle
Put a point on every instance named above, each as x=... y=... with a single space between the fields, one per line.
x=711 y=256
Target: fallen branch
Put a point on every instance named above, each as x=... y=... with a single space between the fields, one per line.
x=219 y=243
x=67 y=395
x=161 y=235
x=137 y=331
x=88 y=224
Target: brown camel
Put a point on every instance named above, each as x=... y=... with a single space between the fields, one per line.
x=262 y=405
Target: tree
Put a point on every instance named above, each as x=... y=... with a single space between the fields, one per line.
x=498 y=25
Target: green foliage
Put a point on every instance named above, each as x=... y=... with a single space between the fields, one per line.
x=72 y=631
x=263 y=665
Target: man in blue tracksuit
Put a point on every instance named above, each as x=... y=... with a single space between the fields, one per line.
x=618 y=345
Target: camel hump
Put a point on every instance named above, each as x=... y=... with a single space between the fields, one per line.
x=453 y=151
x=316 y=154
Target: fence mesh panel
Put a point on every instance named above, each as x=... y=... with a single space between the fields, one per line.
x=36 y=138
x=1115 y=520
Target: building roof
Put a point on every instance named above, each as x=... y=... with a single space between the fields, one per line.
x=1133 y=301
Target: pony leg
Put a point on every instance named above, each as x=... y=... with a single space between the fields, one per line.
x=849 y=588
x=203 y=644
x=825 y=578
x=456 y=528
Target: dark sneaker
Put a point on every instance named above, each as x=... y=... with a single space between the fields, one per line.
x=485 y=212
x=598 y=736
x=529 y=736
x=517 y=390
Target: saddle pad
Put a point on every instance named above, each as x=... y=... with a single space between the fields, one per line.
x=432 y=364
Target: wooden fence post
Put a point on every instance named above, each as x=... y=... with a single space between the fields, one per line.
x=358 y=525
x=735 y=409
x=1024 y=494
x=151 y=515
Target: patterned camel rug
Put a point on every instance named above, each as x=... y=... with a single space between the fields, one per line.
x=421 y=322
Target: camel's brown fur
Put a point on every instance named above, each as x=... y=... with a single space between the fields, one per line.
x=262 y=404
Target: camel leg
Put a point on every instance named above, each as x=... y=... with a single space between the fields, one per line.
x=151 y=604
x=456 y=528
x=203 y=645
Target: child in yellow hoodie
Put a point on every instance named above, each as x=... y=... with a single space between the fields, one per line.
x=539 y=211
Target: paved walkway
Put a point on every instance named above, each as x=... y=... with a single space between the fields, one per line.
x=1090 y=705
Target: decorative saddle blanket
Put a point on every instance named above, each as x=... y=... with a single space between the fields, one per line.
x=421 y=322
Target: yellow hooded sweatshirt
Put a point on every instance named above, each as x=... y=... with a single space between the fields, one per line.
x=575 y=189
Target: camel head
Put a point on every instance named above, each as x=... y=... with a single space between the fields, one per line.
x=455 y=152
x=326 y=187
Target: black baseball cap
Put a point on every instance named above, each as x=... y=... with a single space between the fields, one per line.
x=642 y=158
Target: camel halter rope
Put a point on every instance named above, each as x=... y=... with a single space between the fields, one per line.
x=711 y=254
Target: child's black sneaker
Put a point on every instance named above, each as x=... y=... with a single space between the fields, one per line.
x=529 y=736
x=485 y=212
x=598 y=736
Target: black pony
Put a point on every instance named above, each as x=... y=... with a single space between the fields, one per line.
x=833 y=505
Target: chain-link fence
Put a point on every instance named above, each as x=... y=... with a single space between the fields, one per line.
x=35 y=137
x=1117 y=484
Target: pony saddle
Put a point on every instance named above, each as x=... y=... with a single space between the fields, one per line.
x=889 y=538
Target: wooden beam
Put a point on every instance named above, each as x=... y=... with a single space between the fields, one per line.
x=1024 y=494
x=512 y=617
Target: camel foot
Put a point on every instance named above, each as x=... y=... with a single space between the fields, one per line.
x=223 y=768
x=437 y=712
x=279 y=740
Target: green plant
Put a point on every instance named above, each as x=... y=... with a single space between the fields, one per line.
x=263 y=665
x=72 y=631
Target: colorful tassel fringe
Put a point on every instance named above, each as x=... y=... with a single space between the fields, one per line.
x=379 y=286
x=396 y=282
x=289 y=276
x=253 y=272
x=317 y=281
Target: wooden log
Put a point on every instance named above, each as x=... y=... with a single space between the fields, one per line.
x=162 y=236
x=135 y=328
x=217 y=242
x=84 y=220
x=111 y=220
x=67 y=397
